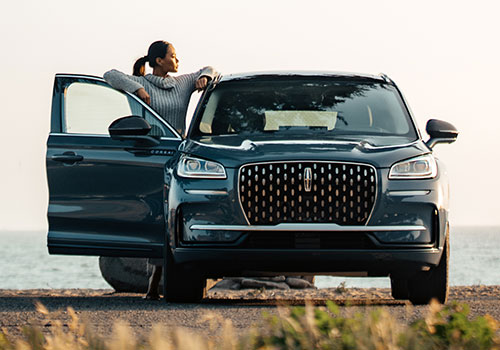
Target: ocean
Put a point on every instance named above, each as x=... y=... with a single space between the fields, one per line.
x=26 y=264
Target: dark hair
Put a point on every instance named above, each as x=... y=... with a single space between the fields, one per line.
x=156 y=49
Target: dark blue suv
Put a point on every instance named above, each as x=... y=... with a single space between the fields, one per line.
x=280 y=173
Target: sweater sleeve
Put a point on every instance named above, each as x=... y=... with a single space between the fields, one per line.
x=122 y=81
x=208 y=72
x=189 y=80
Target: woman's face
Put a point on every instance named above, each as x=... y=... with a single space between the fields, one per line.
x=169 y=63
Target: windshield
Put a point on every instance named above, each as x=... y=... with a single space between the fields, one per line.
x=304 y=107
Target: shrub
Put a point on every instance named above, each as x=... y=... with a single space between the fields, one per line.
x=307 y=327
x=451 y=328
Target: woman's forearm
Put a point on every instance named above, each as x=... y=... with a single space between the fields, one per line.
x=122 y=81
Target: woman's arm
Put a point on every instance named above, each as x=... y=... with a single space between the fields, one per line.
x=207 y=74
x=129 y=83
x=122 y=81
x=198 y=80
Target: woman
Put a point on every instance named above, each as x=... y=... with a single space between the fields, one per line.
x=168 y=95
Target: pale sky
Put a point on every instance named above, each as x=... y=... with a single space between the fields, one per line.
x=444 y=55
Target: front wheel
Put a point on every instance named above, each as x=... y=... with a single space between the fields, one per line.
x=181 y=284
x=399 y=288
x=432 y=284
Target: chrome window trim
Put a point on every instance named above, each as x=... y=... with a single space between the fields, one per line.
x=84 y=76
x=316 y=161
x=307 y=227
x=147 y=107
x=78 y=135
x=102 y=136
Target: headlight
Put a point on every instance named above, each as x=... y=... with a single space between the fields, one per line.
x=422 y=167
x=200 y=168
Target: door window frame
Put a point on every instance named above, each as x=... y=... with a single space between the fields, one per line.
x=81 y=78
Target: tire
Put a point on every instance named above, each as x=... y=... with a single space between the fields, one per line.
x=399 y=289
x=432 y=284
x=129 y=275
x=180 y=284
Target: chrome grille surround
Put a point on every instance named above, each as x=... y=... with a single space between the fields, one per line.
x=271 y=193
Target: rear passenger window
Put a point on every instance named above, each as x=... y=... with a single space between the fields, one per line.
x=90 y=108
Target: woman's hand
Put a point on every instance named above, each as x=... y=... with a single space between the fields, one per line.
x=201 y=83
x=143 y=95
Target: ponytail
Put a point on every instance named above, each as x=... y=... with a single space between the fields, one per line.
x=140 y=66
x=156 y=49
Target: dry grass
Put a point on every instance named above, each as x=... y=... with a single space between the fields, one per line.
x=446 y=327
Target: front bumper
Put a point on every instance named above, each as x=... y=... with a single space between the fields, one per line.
x=218 y=262
x=404 y=234
x=417 y=236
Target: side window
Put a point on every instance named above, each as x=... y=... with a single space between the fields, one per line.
x=90 y=108
x=157 y=127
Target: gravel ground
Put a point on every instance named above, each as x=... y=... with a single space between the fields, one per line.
x=244 y=308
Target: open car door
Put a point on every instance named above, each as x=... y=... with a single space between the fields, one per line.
x=106 y=195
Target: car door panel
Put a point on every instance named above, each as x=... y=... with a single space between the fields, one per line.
x=106 y=196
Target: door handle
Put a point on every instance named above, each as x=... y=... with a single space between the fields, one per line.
x=67 y=157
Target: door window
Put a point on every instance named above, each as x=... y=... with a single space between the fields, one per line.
x=90 y=108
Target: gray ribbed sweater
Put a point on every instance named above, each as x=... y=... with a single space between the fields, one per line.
x=169 y=95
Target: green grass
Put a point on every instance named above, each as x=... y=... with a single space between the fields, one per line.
x=448 y=327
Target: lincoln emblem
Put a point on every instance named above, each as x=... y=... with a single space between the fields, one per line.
x=307 y=179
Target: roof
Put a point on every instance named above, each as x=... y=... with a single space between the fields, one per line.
x=276 y=74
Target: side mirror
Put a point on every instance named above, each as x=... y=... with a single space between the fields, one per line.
x=440 y=132
x=132 y=128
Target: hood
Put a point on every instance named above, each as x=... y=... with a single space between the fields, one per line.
x=233 y=151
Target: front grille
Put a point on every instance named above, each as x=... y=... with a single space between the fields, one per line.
x=308 y=240
x=312 y=192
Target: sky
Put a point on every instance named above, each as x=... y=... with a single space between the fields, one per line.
x=444 y=56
